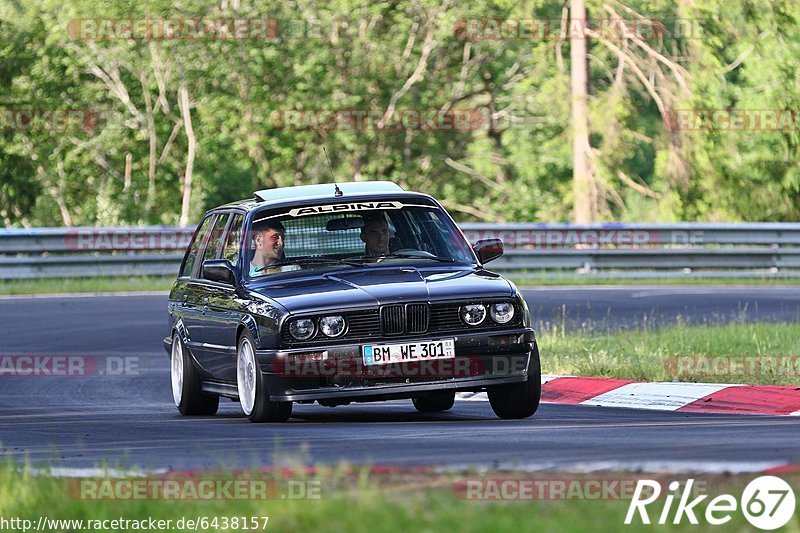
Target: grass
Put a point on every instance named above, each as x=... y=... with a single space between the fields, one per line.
x=85 y=285
x=364 y=503
x=94 y=285
x=740 y=352
x=549 y=280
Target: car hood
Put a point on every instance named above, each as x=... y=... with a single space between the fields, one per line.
x=370 y=287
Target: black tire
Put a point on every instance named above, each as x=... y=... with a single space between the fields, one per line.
x=264 y=409
x=193 y=401
x=519 y=400
x=435 y=403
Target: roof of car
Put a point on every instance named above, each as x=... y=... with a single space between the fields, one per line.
x=325 y=190
x=321 y=192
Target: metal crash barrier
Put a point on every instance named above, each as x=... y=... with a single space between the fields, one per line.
x=564 y=250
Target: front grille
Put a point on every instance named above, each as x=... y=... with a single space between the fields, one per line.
x=409 y=318
x=393 y=319
x=417 y=318
x=373 y=325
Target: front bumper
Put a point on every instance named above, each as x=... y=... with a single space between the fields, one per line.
x=337 y=372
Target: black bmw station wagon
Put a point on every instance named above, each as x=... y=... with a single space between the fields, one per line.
x=355 y=292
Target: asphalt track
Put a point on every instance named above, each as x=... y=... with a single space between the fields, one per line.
x=129 y=420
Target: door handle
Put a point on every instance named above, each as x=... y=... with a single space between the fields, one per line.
x=205 y=301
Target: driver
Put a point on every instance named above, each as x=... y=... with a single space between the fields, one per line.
x=268 y=241
x=375 y=235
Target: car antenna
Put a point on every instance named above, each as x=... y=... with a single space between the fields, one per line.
x=336 y=190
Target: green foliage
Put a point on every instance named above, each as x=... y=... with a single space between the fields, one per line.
x=357 y=55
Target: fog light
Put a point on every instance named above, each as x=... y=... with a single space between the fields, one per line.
x=503 y=340
x=473 y=314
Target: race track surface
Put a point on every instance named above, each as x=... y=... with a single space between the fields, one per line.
x=129 y=420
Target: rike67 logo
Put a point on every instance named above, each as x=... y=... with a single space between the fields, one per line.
x=767 y=502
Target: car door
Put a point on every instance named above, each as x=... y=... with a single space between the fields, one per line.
x=184 y=300
x=222 y=312
x=201 y=325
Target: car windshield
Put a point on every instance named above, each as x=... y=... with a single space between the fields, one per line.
x=305 y=239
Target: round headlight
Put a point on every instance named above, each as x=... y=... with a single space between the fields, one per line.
x=302 y=329
x=473 y=314
x=502 y=313
x=332 y=326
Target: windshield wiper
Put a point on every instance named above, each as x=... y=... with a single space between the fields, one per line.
x=316 y=261
x=353 y=261
x=415 y=256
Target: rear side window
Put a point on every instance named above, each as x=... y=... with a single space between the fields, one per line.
x=215 y=239
x=194 y=247
x=233 y=240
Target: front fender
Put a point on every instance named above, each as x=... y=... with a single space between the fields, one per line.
x=250 y=324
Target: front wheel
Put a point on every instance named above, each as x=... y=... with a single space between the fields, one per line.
x=252 y=391
x=186 y=384
x=519 y=400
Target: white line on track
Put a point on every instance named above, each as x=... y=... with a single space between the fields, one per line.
x=654 y=467
x=95 y=472
x=667 y=289
x=83 y=295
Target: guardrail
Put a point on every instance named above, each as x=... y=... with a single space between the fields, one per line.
x=610 y=250
x=646 y=250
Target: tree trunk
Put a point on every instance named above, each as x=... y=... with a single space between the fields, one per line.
x=581 y=172
x=151 y=167
x=128 y=162
x=60 y=192
x=183 y=102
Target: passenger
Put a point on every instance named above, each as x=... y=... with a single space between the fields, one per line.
x=268 y=242
x=375 y=235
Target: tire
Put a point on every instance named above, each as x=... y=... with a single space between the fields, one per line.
x=436 y=402
x=186 y=384
x=519 y=400
x=253 y=396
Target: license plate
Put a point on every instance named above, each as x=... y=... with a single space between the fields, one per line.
x=384 y=354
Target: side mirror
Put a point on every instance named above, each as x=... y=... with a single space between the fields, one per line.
x=488 y=249
x=220 y=270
